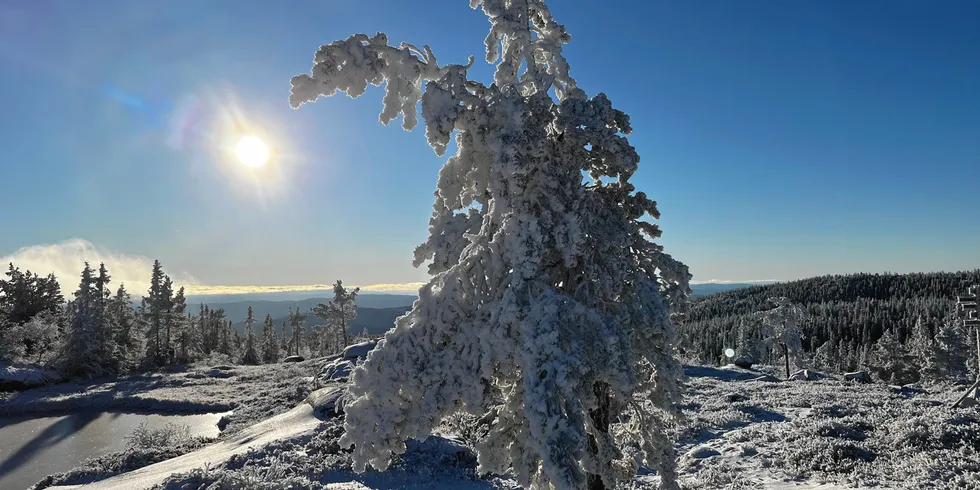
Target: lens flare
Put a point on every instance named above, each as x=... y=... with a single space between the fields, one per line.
x=252 y=151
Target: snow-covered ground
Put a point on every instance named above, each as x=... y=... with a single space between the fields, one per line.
x=737 y=433
x=254 y=393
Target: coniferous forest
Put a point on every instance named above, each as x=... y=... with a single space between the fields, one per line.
x=851 y=322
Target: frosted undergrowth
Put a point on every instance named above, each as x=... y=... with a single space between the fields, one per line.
x=741 y=433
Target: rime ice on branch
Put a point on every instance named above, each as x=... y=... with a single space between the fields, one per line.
x=548 y=306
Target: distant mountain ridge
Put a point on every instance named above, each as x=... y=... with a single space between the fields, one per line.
x=709 y=288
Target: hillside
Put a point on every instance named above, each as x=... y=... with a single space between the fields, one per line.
x=236 y=311
x=850 y=311
x=376 y=320
x=708 y=288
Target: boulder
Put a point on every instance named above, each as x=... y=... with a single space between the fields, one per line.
x=744 y=362
x=359 y=351
x=703 y=452
x=338 y=370
x=327 y=401
x=294 y=359
x=25 y=377
x=858 y=376
x=805 y=375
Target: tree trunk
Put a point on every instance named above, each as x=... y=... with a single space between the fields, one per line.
x=600 y=419
x=786 y=356
x=343 y=331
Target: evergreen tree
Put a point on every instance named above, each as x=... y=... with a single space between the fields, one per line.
x=952 y=351
x=286 y=339
x=892 y=362
x=296 y=320
x=126 y=338
x=157 y=308
x=548 y=305
x=249 y=354
x=23 y=297
x=270 y=342
x=340 y=311
x=80 y=353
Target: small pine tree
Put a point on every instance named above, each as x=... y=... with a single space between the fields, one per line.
x=340 y=311
x=80 y=353
x=892 y=362
x=296 y=319
x=249 y=354
x=270 y=341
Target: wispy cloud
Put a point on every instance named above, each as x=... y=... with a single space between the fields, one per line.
x=66 y=260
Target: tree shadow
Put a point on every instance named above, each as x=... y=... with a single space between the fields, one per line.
x=52 y=435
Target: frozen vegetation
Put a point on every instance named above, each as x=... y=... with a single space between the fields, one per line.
x=736 y=432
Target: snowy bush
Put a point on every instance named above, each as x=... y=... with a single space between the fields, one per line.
x=549 y=302
x=146 y=437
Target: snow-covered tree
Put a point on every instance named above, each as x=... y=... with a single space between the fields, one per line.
x=780 y=326
x=296 y=320
x=892 y=361
x=80 y=353
x=548 y=306
x=949 y=355
x=249 y=354
x=339 y=312
x=270 y=342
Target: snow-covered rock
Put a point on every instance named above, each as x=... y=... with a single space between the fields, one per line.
x=806 y=375
x=359 y=351
x=338 y=370
x=294 y=359
x=327 y=401
x=23 y=377
x=766 y=377
x=858 y=376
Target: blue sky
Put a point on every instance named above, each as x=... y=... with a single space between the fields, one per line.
x=782 y=139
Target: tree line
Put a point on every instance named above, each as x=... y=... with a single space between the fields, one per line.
x=101 y=332
x=902 y=327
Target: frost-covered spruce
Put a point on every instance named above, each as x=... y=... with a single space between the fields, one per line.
x=548 y=306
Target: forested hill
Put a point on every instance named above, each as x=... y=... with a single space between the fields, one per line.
x=850 y=311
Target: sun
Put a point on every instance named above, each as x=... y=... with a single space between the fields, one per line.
x=252 y=151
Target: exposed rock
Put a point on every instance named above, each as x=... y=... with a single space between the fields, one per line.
x=744 y=362
x=294 y=359
x=702 y=453
x=806 y=375
x=858 y=376
x=327 y=401
x=736 y=397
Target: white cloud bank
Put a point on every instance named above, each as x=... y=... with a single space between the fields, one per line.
x=66 y=260
x=747 y=281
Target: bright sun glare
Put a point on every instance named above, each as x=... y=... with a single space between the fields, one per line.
x=252 y=151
